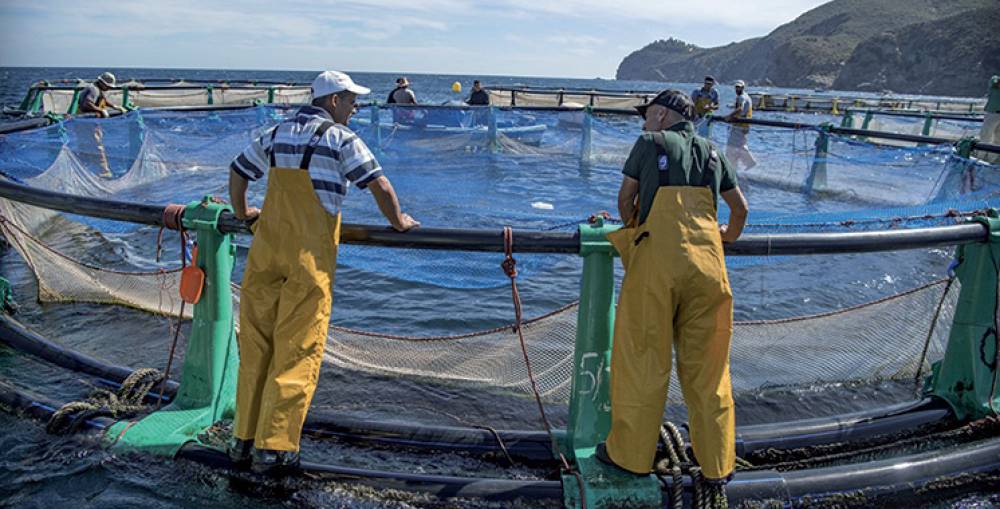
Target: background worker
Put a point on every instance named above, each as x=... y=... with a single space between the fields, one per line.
x=311 y=160
x=675 y=294
x=92 y=99
x=478 y=97
x=706 y=98
x=990 y=132
x=737 y=150
x=402 y=94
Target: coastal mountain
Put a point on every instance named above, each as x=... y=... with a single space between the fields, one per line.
x=946 y=47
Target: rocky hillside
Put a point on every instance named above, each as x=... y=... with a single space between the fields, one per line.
x=817 y=48
x=953 y=56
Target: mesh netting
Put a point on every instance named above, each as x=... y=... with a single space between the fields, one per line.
x=548 y=171
x=892 y=338
x=59 y=101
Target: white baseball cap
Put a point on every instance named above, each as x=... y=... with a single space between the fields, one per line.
x=331 y=82
x=740 y=83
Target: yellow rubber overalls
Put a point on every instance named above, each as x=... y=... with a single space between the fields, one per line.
x=285 y=309
x=675 y=295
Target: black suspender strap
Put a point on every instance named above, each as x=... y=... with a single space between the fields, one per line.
x=274 y=133
x=308 y=154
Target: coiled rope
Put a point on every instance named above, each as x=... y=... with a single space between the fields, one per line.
x=705 y=494
x=123 y=403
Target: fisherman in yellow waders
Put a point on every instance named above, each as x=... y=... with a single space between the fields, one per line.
x=675 y=295
x=92 y=99
x=311 y=160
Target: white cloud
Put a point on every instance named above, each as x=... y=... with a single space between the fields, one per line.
x=543 y=37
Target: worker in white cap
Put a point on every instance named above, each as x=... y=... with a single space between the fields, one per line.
x=737 y=150
x=310 y=160
x=92 y=99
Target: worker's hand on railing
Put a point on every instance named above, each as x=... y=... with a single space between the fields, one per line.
x=251 y=215
x=405 y=223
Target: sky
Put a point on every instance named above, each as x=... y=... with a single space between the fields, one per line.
x=556 y=38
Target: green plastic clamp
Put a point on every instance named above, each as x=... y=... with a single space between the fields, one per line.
x=207 y=391
x=967 y=376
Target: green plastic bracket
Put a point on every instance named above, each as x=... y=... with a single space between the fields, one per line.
x=207 y=390
x=270 y=95
x=28 y=96
x=967 y=375
x=586 y=143
x=816 y=181
x=868 y=119
x=36 y=101
x=125 y=101
x=377 y=126
x=992 y=96
x=74 y=105
x=848 y=120
x=491 y=126
x=211 y=98
x=590 y=406
x=964 y=146
x=7 y=304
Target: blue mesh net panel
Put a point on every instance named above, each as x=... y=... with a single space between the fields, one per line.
x=542 y=170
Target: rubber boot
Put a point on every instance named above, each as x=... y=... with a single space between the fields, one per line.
x=239 y=451
x=271 y=462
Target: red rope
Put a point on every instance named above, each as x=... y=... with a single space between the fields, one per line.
x=172 y=219
x=509 y=266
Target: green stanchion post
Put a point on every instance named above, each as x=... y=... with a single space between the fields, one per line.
x=26 y=102
x=847 y=121
x=270 y=95
x=816 y=181
x=586 y=143
x=868 y=119
x=211 y=94
x=967 y=375
x=491 y=128
x=207 y=390
x=74 y=105
x=590 y=406
x=37 y=101
x=928 y=127
x=7 y=304
x=377 y=124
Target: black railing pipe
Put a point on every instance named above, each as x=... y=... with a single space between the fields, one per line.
x=525 y=241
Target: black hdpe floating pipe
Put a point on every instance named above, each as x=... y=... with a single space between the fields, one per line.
x=886 y=477
x=525 y=241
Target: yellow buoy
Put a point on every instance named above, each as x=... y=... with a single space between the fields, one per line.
x=456 y=87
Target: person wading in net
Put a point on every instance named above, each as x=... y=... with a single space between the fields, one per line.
x=675 y=294
x=311 y=159
x=93 y=100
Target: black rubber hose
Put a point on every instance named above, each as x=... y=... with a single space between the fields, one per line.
x=901 y=474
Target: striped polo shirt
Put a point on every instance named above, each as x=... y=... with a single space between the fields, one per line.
x=340 y=156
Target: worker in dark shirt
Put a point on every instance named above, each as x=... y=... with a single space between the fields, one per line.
x=675 y=296
x=479 y=97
